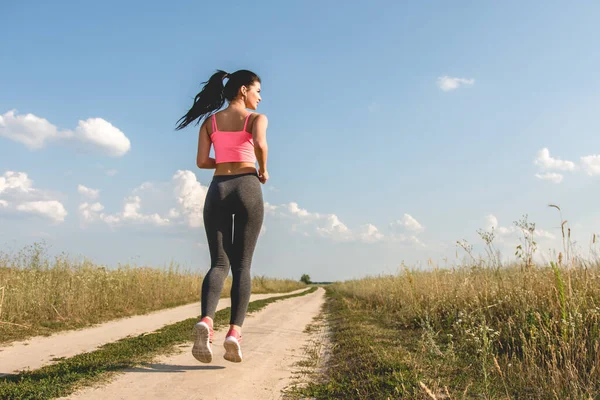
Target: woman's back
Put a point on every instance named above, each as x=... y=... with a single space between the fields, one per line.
x=229 y=120
x=230 y=132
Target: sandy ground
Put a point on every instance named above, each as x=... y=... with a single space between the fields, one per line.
x=39 y=351
x=273 y=341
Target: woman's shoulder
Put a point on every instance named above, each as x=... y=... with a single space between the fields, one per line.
x=253 y=119
x=205 y=122
x=255 y=116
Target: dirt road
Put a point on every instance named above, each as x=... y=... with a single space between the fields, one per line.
x=273 y=341
x=39 y=351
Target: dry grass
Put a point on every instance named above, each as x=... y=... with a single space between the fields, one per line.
x=262 y=284
x=520 y=330
x=482 y=329
x=40 y=295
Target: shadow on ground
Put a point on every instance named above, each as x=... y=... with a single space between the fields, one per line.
x=148 y=367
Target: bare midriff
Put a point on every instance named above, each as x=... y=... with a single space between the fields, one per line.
x=234 y=168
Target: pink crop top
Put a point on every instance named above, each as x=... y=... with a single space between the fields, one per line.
x=232 y=146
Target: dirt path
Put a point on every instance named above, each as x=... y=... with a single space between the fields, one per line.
x=36 y=352
x=273 y=341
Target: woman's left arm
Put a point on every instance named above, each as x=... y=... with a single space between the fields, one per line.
x=202 y=159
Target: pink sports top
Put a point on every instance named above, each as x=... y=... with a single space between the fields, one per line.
x=232 y=146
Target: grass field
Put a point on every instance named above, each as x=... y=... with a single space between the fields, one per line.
x=42 y=295
x=481 y=330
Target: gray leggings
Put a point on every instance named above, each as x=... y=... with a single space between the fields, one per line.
x=228 y=195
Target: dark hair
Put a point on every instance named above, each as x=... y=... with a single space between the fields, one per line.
x=214 y=93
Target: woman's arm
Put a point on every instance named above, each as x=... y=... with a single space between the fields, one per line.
x=202 y=159
x=259 y=136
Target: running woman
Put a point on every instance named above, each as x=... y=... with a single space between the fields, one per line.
x=233 y=208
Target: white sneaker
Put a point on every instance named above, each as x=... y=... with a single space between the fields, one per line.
x=233 y=351
x=203 y=334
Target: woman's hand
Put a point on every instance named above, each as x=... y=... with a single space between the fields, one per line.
x=263 y=176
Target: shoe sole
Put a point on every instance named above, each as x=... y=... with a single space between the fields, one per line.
x=233 y=351
x=201 y=350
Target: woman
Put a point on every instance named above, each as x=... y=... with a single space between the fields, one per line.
x=234 y=208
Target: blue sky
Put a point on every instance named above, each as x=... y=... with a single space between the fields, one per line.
x=395 y=129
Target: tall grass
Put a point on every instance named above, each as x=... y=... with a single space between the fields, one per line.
x=516 y=330
x=540 y=326
x=39 y=294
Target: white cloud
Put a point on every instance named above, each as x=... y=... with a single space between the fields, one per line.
x=17 y=181
x=143 y=186
x=416 y=241
x=102 y=135
x=190 y=195
x=87 y=192
x=184 y=191
x=111 y=172
x=505 y=231
x=52 y=209
x=110 y=219
x=131 y=211
x=409 y=223
x=369 y=234
x=591 y=164
x=544 y=161
x=402 y=238
x=447 y=83
x=96 y=207
x=26 y=199
x=28 y=129
x=501 y=231
x=331 y=227
x=269 y=208
x=89 y=212
x=34 y=132
x=93 y=212
x=492 y=223
x=550 y=177
x=544 y=234
x=324 y=225
x=294 y=209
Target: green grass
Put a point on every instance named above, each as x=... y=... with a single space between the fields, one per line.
x=367 y=360
x=69 y=374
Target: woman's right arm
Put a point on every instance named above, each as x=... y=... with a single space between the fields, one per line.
x=261 y=149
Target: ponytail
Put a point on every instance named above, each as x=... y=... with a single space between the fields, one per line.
x=209 y=100
x=214 y=93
